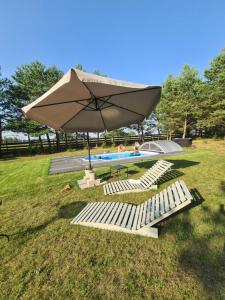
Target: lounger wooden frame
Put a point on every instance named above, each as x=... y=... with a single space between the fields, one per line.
x=136 y=219
x=147 y=182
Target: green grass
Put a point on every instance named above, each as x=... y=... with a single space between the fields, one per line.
x=47 y=258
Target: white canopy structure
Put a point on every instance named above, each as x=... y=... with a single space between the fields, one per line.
x=161 y=146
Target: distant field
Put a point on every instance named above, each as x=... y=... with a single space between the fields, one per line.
x=47 y=258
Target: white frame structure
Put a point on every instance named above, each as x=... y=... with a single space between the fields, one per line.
x=136 y=219
x=146 y=182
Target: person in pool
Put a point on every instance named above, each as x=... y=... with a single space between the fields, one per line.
x=136 y=151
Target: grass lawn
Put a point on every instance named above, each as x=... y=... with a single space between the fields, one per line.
x=47 y=258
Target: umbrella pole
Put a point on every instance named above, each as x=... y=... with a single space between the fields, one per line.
x=89 y=151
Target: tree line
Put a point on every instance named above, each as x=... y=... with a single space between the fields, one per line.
x=190 y=103
x=194 y=105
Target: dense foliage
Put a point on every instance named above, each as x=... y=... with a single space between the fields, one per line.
x=191 y=105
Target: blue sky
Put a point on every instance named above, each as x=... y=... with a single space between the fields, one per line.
x=141 y=41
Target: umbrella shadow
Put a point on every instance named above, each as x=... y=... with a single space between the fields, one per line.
x=222 y=186
x=199 y=257
x=65 y=212
x=70 y=210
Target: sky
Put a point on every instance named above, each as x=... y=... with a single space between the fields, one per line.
x=135 y=40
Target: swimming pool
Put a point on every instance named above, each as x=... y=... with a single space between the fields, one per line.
x=118 y=155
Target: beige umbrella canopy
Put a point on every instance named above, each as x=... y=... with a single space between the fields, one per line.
x=86 y=102
x=81 y=101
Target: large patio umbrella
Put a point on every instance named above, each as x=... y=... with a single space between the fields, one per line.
x=81 y=101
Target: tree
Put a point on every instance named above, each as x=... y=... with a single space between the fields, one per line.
x=189 y=83
x=29 y=82
x=166 y=111
x=80 y=67
x=215 y=98
x=177 y=110
x=5 y=107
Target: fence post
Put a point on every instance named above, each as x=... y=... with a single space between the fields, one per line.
x=57 y=141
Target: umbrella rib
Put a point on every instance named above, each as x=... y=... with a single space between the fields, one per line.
x=130 y=92
x=132 y=111
x=91 y=108
x=103 y=121
x=76 y=114
x=63 y=102
x=89 y=90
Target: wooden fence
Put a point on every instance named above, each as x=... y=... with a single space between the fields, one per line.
x=36 y=147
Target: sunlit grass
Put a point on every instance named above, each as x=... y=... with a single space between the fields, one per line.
x=47 y=258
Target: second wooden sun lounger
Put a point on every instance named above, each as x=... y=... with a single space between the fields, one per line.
x=146 y=182
x=136 y=219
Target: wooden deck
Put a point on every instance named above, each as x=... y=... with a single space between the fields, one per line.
x=136 y=219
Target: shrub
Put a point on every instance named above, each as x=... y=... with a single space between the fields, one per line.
x=104 y=145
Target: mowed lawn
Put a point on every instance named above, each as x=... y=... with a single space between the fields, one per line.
x=47 y=258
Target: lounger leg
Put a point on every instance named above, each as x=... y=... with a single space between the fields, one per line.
x=148 y=231
x=154 y=187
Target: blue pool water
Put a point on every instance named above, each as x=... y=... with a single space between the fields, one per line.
x=119 y=155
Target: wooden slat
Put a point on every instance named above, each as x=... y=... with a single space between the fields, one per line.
x=148 y=181
x=129 y=185
x=126 y=216
x=134 y=226
x=89 y=212
x=117 y=213
x=123 y=185
x=144 y=183
x=175 y=193
x=158 y=171
x=96 y=213
x=152 y=214
x=161 y=203
x=180 y=191
x=131 y=217
x=82 y=212
x=112 y=185
x=118 y=186
x=170 y=196
x=121 y=215
x=105 y=189
x=103 y=212
x=108 y=212
x=110 y=188
x=109 y=191
x=126 y=185
x=148 y=177
x=147 y=219
x=140 y=216
x=111 y=215
x=186 y=191
x=155 y=173
x=157 y=206
x=166 y=201
x=144 y=213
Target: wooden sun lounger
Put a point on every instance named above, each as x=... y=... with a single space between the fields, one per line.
x=146 y=182
x=136 y=219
